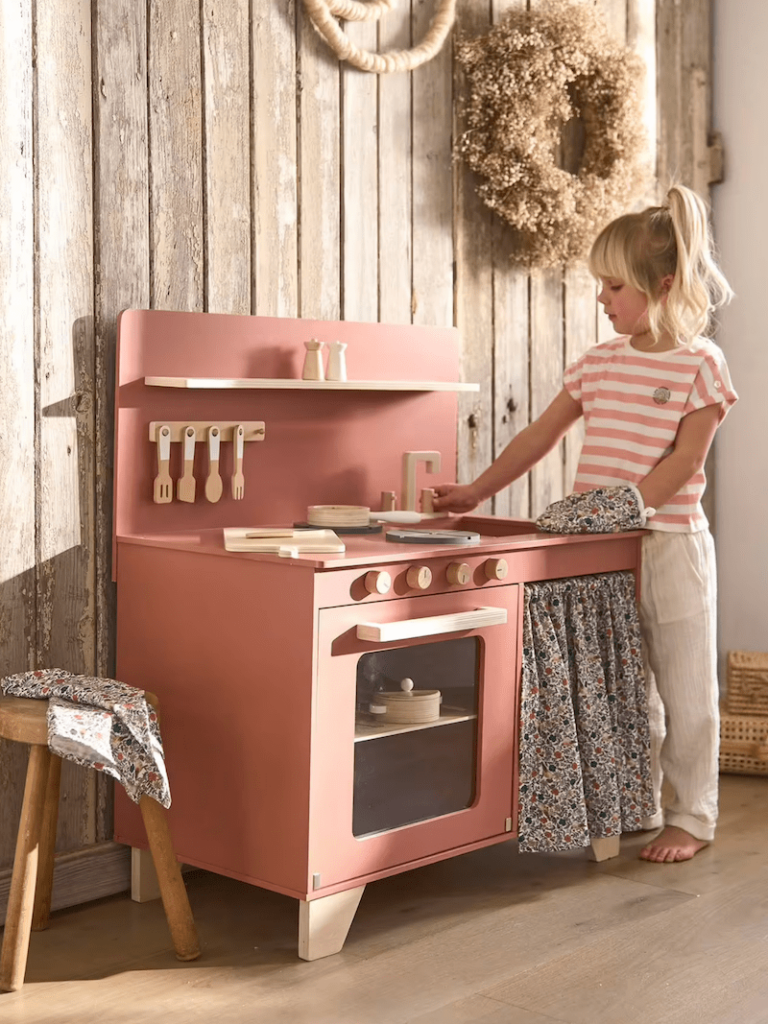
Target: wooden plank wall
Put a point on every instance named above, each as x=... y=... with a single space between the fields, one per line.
x=180 y=154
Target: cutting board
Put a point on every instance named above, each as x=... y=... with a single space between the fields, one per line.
x=286 y=542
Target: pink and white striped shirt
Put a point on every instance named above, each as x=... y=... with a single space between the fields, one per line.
x=633 y=403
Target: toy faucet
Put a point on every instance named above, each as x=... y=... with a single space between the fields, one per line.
x=410 y=460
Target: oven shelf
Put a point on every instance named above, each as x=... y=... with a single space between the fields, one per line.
x=367 y=728
x=291 y=384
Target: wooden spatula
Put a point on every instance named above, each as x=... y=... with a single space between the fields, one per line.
x=213 y=485
x=185 y=486
x=238 y=444
x=163 y=490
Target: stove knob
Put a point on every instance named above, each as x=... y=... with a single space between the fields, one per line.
x=459 y=573
x=496 y=568
x=418 y=577
x=377 y=582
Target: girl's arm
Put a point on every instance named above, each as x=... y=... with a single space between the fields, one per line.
x=694 y=437
x=521 y=454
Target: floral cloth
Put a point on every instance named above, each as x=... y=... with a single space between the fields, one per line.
x=102 y=724
x=603 y=510
x=584 y=736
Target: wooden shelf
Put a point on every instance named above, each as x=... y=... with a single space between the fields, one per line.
x=291 y=384
x=368 y=728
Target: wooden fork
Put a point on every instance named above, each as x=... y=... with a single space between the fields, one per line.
x=163 y=491
x=238 y=480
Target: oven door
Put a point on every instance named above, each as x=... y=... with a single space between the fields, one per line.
x=385 y=795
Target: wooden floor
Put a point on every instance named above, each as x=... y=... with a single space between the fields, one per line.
x=493 y=937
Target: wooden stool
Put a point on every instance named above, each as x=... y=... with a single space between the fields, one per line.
x=24 y=720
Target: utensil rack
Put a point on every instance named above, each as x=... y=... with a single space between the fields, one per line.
x=255 y=430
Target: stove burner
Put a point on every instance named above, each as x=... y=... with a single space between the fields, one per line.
x=370 y=528
x=433 y=537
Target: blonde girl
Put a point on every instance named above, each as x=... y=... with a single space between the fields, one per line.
x=652 y=399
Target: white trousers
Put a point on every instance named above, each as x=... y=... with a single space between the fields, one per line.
x=678 y=621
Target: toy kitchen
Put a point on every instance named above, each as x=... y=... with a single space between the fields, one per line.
x=339 y=691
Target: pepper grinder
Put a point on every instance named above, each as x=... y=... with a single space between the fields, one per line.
x=313 y=360
x=337 y=361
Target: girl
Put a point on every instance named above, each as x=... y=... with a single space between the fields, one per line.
x=652 y=399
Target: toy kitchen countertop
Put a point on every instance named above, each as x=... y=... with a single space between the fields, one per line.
x=495 y=535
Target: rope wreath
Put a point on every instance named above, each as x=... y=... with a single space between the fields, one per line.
x=321 y=14
x=530 y=76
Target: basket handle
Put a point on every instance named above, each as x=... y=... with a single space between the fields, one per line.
x=747 y=748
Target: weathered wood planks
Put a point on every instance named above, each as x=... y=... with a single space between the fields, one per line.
x=274 y=140
x=226 y=142
x=17 y=394
x=177 y=272
x=65 y=363
x=197 y=156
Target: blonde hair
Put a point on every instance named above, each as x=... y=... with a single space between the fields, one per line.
x=642 y=249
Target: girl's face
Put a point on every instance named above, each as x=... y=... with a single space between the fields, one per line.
x=625 y=306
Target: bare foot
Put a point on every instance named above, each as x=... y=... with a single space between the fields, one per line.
x=672 y=844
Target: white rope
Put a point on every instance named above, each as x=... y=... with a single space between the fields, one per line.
x=323 y=14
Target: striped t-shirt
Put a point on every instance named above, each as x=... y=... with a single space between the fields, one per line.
x=633 y=403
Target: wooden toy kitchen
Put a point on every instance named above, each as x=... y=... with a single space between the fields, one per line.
x=338 y=705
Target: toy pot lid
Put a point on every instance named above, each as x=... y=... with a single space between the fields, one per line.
x=406 y=692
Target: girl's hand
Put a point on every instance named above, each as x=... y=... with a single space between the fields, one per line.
x=455 y=498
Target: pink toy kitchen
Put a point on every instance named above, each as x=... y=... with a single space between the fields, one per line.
x=338 y=668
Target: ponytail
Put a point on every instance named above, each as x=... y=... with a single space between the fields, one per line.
x=674 y=241
x=699 y=286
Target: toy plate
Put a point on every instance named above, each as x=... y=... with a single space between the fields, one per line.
x=433 y=537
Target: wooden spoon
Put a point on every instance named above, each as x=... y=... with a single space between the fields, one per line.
x=213 y=485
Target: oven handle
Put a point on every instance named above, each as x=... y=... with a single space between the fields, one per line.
x=405 y=629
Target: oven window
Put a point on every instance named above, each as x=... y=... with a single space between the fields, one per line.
x=415 y=756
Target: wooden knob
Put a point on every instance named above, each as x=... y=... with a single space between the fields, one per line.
x=496 y=568
x=459 y=572
x=377 y=582
x=418 y=577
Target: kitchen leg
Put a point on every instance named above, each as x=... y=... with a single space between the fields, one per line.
x=144 y=883
x=605 y=847
x=325 y=922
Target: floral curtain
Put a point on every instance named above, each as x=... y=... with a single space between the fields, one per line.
x=584 y=738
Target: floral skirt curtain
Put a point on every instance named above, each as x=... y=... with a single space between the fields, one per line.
x=584 y=738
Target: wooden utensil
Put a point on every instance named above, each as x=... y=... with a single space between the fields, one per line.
x=213 y=485
x=238 y=480
x=163 y=490
x=302 y=541
x=185 y=486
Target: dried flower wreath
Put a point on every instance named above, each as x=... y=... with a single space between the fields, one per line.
x=531 y=75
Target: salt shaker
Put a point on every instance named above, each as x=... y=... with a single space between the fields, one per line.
x=313 y=360
x=337 y=361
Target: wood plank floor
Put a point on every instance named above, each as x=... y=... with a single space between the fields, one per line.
x=493 y=937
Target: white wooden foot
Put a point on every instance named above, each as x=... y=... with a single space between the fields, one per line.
x=144 y=884
x=325 y=922
x=605 y=847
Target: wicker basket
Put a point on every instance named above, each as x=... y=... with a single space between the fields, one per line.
x=743 y=744
x=747 y=681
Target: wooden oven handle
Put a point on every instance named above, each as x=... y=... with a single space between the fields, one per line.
x=476 y=618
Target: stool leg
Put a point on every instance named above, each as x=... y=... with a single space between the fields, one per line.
x=172 y=891
x=45 y=860
x=18 y=921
